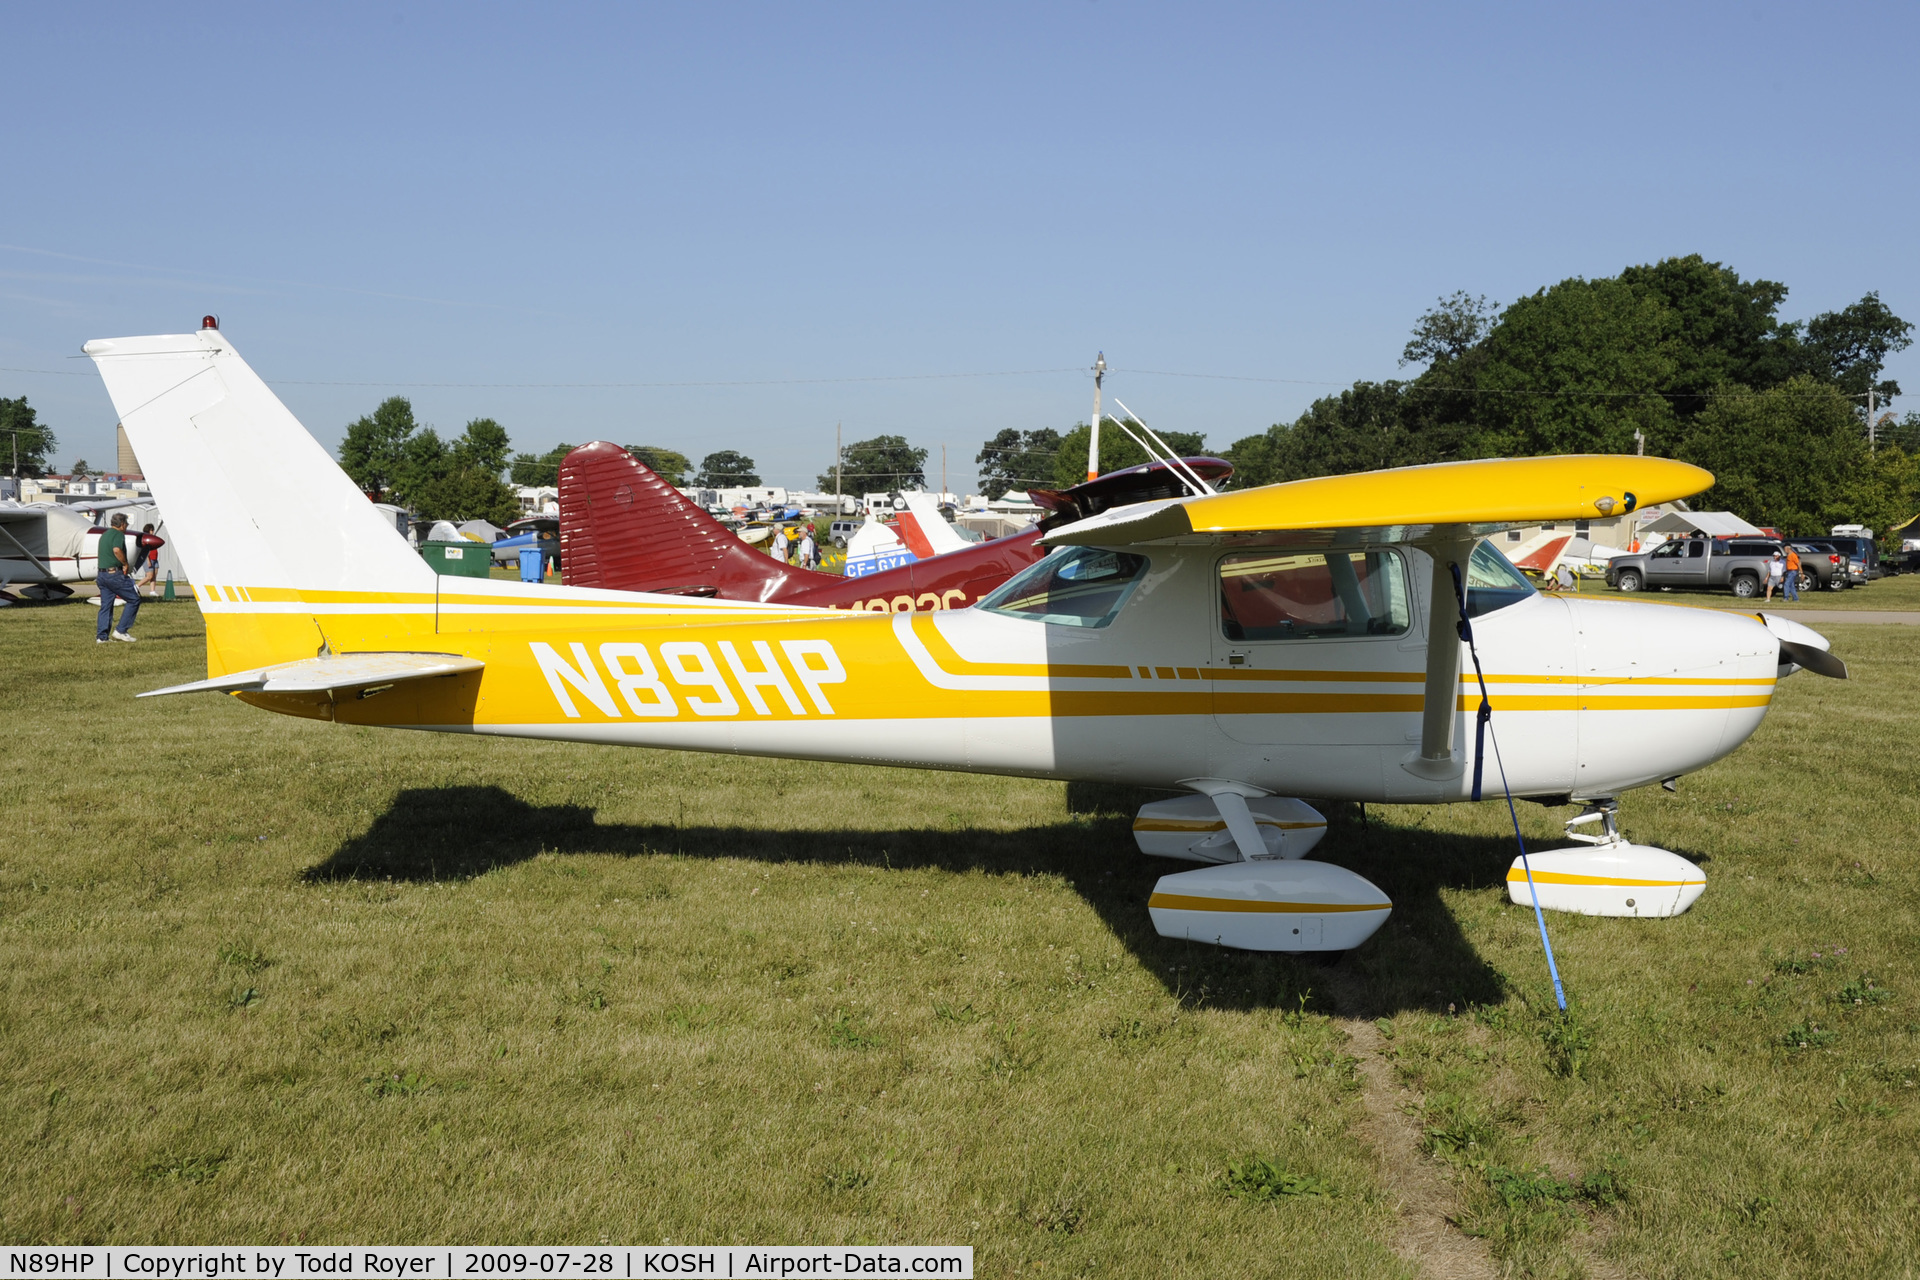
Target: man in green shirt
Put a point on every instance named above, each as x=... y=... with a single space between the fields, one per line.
x=114 y=576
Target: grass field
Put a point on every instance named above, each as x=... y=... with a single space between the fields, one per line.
x=274 y=980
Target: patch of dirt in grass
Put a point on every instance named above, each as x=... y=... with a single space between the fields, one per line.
x=1421 y=1188
x=1429 y=1200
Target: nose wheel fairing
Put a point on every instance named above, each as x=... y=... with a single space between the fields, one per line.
x=1610 y=877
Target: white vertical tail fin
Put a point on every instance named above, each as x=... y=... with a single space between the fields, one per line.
x=251 y=499
x=939 y=534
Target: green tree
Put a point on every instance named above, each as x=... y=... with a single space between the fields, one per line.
x=1850 y=347
x=374 y=447
x=80 y=469
x=467 y=493
x=424 y=462
x=726 y=470
x=880 y=465
x=672 y=466
x=1017 y=460
x=1723 y=330
x=29 y=444
x=484 y=446
x=1117 y=450
x=1576 y=368
x=1792 y=458
x=541 y=470
x=1450 y=330
x=1368 y=427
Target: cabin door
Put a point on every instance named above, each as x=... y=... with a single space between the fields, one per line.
x=1316 y=647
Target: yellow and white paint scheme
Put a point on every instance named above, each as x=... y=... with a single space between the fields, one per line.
x=341 y=620
x=1612 y=879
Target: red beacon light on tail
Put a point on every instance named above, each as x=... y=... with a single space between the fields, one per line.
x=210 y=322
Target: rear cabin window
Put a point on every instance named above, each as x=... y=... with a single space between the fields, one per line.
x=1076 y=587
x=1292 y=595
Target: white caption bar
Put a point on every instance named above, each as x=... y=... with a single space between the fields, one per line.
x=490 y=1262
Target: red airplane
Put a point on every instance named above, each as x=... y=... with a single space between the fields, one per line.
x=623 y=527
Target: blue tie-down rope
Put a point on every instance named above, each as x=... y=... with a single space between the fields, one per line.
x=1483 y=730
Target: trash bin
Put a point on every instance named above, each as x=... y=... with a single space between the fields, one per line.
x=530 y=558
x=458 y=559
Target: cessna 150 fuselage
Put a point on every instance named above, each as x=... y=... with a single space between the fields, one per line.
x=1246 y=647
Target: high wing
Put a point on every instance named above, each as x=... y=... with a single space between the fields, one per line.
x=333 y=674
x=1447 y=500
x=1446 y=508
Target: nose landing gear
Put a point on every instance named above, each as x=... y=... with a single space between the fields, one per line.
x=1611 y=877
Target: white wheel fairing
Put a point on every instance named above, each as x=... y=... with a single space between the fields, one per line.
x=1269 y=905
x=1618 y=879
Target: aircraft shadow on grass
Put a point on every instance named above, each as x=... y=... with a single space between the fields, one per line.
x=1420 y=960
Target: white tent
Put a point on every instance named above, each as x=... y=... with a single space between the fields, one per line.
x=1715 y=524
x=484 y=530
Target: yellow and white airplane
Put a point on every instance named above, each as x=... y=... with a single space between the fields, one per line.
x=1247 y=648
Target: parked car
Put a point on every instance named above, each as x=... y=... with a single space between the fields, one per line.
x=1856 y=568
x=1735 y=564
x=1860 y=549
x=841 y=530
x=1821 y=567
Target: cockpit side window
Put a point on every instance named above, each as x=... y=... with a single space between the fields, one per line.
x=1492 y=582
x=1308 y=595
x=1074 y=587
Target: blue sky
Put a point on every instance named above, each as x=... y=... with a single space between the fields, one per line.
x=769 y=200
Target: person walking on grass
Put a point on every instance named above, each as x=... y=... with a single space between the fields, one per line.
x=114 y=576
x=1792 y=580
x=1776 y=572
x=148 y=558
x=809 y=549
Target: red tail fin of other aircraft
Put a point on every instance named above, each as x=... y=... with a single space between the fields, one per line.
x=622 y=526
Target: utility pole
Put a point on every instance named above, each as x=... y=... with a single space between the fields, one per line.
x=1093 y=441
x=1639 y=443
x=836 y=460
x=943 y=473
x=1872 y=404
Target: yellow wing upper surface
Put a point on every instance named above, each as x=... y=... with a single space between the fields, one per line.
x=1406 y=502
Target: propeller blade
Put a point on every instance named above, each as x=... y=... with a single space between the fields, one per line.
x=1818 y=661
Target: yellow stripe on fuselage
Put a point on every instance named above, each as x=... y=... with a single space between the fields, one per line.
x=882 y=681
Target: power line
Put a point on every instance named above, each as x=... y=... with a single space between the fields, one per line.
x=1412 y=385
x=734 y=382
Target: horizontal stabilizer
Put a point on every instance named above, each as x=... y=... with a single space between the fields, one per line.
x=331 y=674
x=1405 y=504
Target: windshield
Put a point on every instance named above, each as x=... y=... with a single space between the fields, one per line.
x=1492 y=581
x=1073 y=587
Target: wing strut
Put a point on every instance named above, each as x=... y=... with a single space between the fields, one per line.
x=1437 y=759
